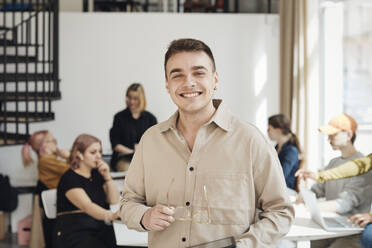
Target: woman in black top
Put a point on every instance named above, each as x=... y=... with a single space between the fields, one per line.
x=83 y=197
x=129 y=126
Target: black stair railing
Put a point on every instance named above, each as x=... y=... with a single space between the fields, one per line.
x=29 y=66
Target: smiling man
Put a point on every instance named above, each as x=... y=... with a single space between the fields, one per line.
x=201 y=175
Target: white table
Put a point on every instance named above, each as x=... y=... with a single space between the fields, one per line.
x=124 y=236
x=119 y=178
x=304 y=229
x=118 y=174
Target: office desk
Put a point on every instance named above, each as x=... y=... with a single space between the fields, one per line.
x=304 y=229
x=124 y=236
x=117 y=175
x=119 y=179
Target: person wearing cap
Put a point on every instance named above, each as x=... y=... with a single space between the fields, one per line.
x=349 y=169
x=346 y=196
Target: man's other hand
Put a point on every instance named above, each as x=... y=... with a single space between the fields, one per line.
x=158 y=218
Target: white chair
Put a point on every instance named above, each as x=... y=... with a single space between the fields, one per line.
x=49 y=198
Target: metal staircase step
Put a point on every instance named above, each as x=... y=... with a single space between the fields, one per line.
x=6 y=42
x=4 y=28
x=11 y=43
x=29 y=67
x=17 y=59
x=24 y=117
x=12 y=77
x=29 y=96
x=12 y=138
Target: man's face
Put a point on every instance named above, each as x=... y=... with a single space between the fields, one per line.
x=339 y=140
x=191 y=81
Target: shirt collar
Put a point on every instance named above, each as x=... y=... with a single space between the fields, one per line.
x=222 y=118
x=169 y=124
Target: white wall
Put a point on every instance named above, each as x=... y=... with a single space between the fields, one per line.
x=71 y=5
x=102 y=53
x=333 y=71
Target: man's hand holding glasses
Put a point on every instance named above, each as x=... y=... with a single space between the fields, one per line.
x=158 y=218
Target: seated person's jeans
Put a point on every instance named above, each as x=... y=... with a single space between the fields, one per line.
x=366 y=239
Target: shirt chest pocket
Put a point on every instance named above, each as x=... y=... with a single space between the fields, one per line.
x=229 y=198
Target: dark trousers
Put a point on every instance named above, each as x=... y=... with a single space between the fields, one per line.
x=82 y=231
x=48 y=227
x=48 y=224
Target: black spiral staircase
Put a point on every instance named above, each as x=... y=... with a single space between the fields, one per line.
x=29 y=79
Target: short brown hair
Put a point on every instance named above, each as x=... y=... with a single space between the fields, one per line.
x=187 y=45
x=81 y=143
x=138 y=88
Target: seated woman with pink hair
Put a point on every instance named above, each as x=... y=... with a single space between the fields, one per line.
x=83 y=197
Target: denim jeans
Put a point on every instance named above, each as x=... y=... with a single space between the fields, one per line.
x=366 y=239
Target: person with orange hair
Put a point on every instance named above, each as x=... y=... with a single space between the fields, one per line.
x=51 y=160
x=51 y=166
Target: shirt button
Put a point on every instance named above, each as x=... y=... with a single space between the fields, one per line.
x=183 y=239
x=187 y=203
x=191 y=168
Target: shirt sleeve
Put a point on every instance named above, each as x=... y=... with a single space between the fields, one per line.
x=352 y=195
x=115 y=132
x=349 y=169
x=271 y=194
x=318 y=189
x=288 y=159
x=133 y=202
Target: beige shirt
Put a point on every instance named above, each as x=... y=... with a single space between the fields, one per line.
x=240 y=171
